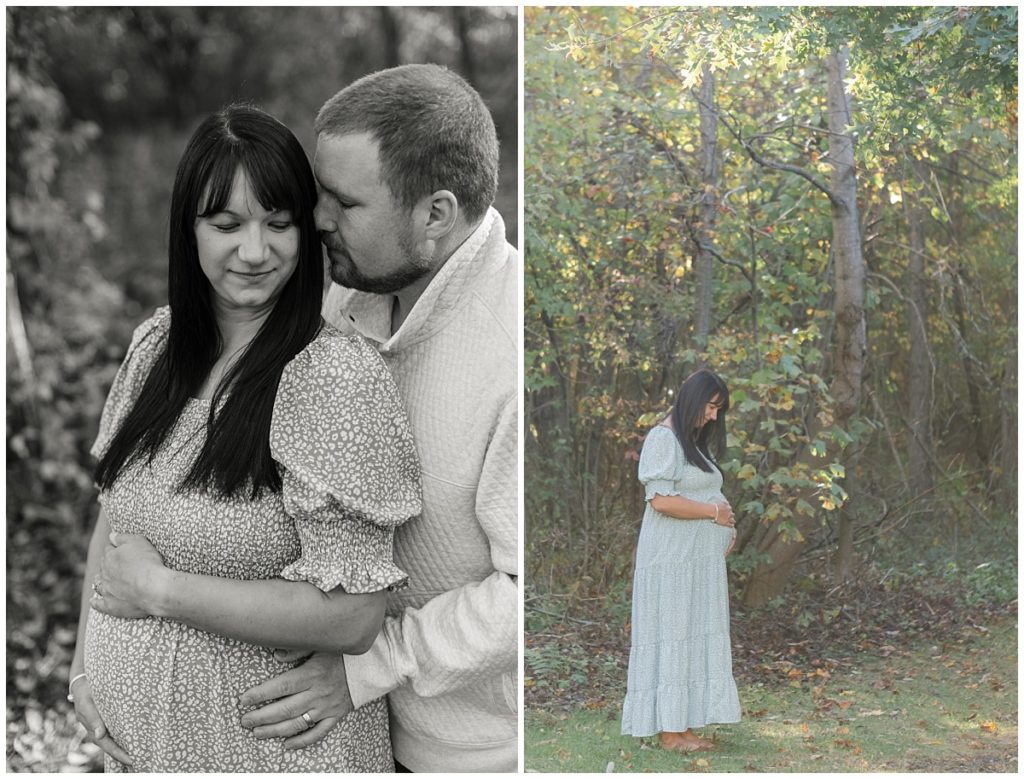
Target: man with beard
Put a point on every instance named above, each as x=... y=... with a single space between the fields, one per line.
x=407 y=163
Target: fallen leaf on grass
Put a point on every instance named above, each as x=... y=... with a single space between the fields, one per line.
x=990 y=727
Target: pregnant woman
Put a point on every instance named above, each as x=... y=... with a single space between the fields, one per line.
x=256 y=461
x=680 y=663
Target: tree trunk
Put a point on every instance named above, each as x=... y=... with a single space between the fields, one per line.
x=769 y=578
x=851 y=337
x=920 y=362
x=462 y=28
x=392 y=37
x=1008 y=414
x=708 y=204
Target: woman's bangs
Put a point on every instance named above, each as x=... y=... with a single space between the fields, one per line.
x=274 y=185
x=216 y=190
x=724 y=392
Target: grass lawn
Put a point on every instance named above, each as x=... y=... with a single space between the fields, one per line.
x=945 y=708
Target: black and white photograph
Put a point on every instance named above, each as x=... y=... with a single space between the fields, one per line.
x=262 y=389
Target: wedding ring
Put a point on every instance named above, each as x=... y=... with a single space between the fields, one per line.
x=308 y=720
x=96 y=588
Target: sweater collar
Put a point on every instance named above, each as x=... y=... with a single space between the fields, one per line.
x=370 y=313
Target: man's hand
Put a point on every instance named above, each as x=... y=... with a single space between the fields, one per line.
x=317 y=688
x=89 y=717
x=130 y=577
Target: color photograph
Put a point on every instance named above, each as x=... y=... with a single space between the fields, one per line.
x=770 y=389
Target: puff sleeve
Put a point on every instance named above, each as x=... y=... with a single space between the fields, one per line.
x=145 y=347
x=661 y=463
x=349 y=469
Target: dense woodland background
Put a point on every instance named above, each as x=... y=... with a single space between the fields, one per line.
x=100 y=102
x=820 y=204
x=693 y=199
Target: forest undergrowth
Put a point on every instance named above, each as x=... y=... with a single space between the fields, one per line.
x=801 y=660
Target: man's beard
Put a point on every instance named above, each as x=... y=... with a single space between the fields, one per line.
x=348 y=275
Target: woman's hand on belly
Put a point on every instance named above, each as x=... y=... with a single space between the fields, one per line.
x=89 y=717
x=131 y=578
x=725 y=516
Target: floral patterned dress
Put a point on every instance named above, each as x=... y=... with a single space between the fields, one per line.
x=168 y=693
x=680 y=661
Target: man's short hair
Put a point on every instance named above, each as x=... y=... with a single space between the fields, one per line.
x=433 y=131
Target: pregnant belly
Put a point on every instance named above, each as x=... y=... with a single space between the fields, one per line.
x=160 y=685
x=721 y=536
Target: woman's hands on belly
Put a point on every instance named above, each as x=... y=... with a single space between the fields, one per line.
x=131 y=576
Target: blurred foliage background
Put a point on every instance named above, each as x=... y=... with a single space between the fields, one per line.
x=630 y=196
x=100 y=102
x=820 y=204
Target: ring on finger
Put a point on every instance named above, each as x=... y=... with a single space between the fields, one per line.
x=308 y=720
x=96 y=587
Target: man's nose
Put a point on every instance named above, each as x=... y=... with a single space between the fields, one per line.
x=322 y=219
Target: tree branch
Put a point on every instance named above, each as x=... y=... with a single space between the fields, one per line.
x=774 y=164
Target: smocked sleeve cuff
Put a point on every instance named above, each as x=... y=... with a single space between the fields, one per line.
x=350 y=474
x=661 y=463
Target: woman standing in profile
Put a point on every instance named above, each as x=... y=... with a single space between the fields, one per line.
x=680 y=662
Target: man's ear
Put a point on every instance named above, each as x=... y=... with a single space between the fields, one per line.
x=442 y=214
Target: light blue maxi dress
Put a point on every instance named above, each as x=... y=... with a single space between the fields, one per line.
x=680 y=662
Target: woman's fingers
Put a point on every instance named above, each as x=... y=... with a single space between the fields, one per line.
x=108 y=745
x=89 y=717
x=86 y=712
x=313 y=735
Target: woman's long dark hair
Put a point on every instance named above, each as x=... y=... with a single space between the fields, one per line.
x=694 y=395
x=236 y=454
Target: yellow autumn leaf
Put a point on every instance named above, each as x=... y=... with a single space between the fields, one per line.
x=746 y=472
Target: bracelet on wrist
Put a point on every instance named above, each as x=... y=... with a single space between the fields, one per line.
x=71 y=695
x=715 y=520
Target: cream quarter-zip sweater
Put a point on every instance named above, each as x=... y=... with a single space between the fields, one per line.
x=447 y=655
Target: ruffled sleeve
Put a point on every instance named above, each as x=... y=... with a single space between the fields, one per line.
x=661 y=463
x=350 y=474
x=145 y=347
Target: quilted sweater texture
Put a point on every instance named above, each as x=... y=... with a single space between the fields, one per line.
x=447 y=656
